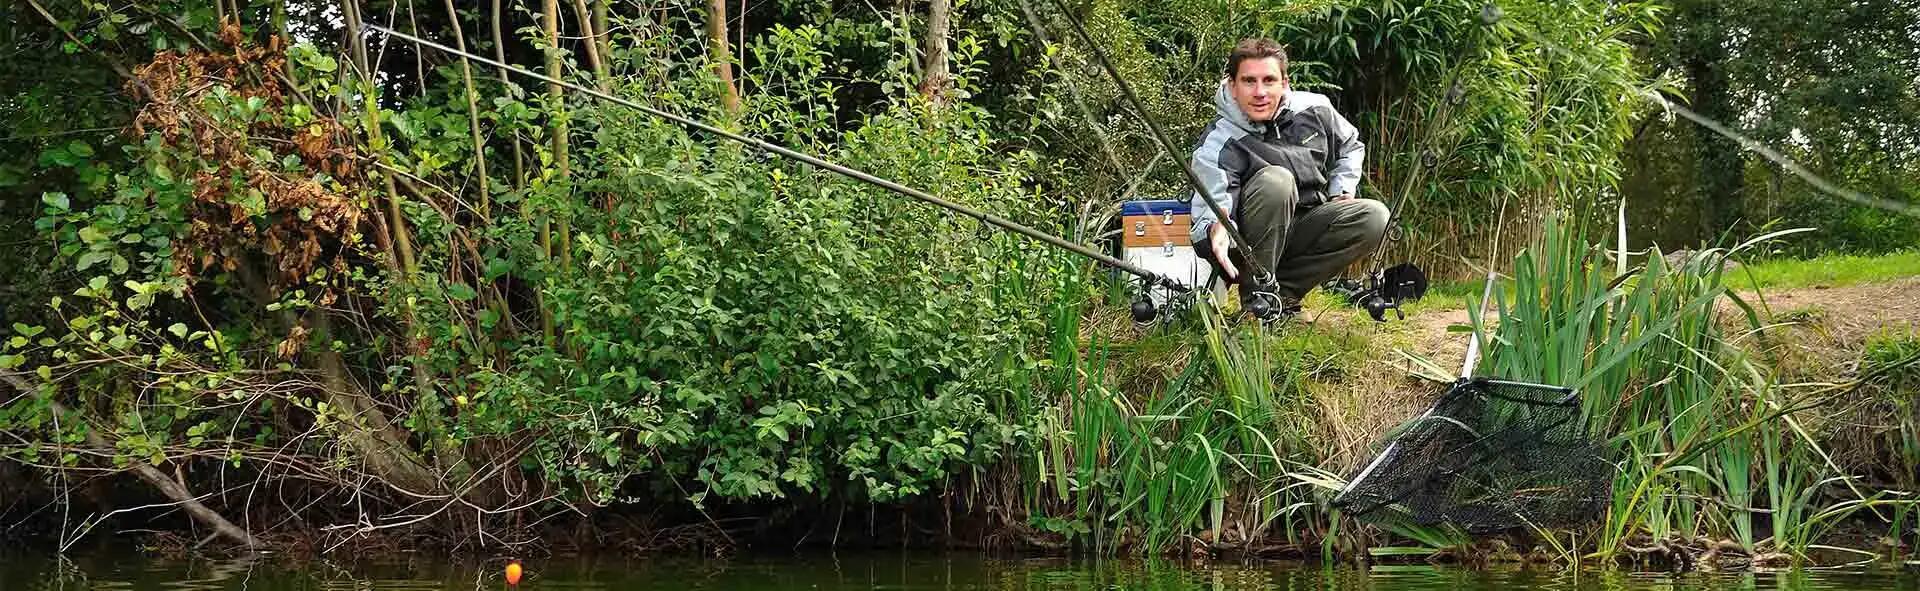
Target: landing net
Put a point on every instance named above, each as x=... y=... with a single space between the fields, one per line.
x=1491 y=455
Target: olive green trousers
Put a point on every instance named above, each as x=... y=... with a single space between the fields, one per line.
x=1303 y=247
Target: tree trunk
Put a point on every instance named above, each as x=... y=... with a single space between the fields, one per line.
x=722 y=57
x=1720 y=160
x=1722 y=163
x=550 y=24
x=403 y=266
x=936 y=79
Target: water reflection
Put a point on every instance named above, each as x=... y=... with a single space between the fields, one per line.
x=904 y=572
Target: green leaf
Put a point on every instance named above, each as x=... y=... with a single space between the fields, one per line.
x=178 y=329
x=120 y=265
x=461 y=292
x=90 y=259
x=45 y=373
x=498 y=267
x=91 y=235
x=80 y=148
x=56 y=200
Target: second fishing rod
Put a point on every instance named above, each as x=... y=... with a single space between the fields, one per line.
x=815 y=161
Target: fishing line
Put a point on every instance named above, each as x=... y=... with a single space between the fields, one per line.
x=1263 y=278
x=988 y=218
x=1750 y=144
x=1756 y=147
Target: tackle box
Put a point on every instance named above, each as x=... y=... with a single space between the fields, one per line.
x=1154 y=235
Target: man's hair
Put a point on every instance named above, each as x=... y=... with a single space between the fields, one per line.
x=1257 y=48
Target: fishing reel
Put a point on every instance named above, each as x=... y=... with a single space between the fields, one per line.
x=1143 y=310
x=1266 y=305
x=1383 y=290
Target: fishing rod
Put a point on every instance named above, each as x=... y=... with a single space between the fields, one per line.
x=815 y=161
x=1265 y=301
x=1384 y=288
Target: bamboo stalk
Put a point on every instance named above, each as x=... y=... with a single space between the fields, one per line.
x=419 y=57
x=500 y=55
x=590 y=39
x=473 y=115
x=280 y=19
x=602 y=34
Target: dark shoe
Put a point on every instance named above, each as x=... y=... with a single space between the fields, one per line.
x=1289 y=310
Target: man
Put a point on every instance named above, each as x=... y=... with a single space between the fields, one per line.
x=1286 y=167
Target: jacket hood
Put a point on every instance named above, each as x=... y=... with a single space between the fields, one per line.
x=1229 y=111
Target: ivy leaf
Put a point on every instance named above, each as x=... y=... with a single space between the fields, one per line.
x=178 y=329
x=120 y=265
x=461 y=292
x=56 y=200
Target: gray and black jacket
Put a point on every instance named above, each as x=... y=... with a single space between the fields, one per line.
x=1313 y=141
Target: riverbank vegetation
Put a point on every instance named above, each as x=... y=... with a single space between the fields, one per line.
x=274 y=278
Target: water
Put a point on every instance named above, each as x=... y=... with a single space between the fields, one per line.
x=903 y=572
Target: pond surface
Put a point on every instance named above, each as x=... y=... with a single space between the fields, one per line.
x=866 y=571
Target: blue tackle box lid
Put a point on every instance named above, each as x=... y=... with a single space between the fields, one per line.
x=1154 y=207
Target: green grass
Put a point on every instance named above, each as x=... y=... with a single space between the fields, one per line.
x=1205 y=425
x=1836 y=270
x=1830 y=271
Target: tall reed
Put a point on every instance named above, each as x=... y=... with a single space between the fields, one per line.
x=1706 y=442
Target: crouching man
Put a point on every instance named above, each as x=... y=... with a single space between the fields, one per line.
x=1285 y=167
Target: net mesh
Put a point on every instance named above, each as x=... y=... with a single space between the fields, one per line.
x=1490 y=456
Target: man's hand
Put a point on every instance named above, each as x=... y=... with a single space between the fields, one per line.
x=1222 y=250
x=1342 y=197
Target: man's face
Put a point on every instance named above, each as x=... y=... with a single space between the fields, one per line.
x=1258 y=87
